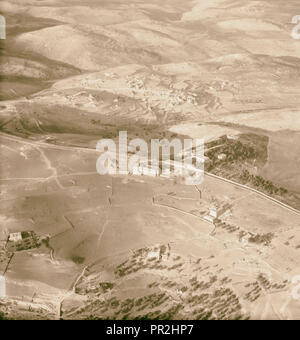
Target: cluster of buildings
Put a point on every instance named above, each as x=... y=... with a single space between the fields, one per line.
x=82 y=98
x=172 y=97
x=14 y=242
x=22 y=240
x=135 y=83
x=159 y=253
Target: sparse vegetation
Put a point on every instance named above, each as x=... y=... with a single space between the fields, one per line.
x=78 y=259
x=262 y=239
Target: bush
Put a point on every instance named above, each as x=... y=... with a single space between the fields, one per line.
x=78 y=259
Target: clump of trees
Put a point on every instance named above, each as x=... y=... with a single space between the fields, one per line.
x=78 y=259
x=2 y=316
x=106 y=286
x=261 y=238
x=235 y=151
x=261 y=183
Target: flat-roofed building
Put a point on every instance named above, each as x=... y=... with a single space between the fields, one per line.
x=15 y=237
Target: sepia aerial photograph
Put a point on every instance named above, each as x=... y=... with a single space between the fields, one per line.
x=149 y=161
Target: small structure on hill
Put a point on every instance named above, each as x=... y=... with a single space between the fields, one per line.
x=222 y=157
x=153 y=254
x=232 y=137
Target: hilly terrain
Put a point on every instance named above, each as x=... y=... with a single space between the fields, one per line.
x=135 y=247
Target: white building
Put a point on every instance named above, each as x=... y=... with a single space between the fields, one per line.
x=153 y=255
x=209 y=219
x=217 y=210
x=15 y=237
x=213 y=212
x=233 y=137
x=222 y=156
x=164 y=257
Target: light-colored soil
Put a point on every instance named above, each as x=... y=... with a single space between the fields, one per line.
x=73 y=72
